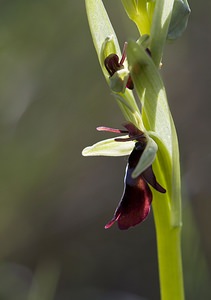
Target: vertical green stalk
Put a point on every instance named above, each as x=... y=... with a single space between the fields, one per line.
x=169 y=254
x=168 y=217
x=168 y=234
x=168 y=231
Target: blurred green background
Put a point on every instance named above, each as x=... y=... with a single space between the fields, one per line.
x=54 y=203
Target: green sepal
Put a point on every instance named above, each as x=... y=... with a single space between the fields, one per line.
x=109 y=147
x=147 y=158
x=140 y=12
x=103 y=34
x=118 y=81
x=108 y=47
x=179 y=19
x=130 y=8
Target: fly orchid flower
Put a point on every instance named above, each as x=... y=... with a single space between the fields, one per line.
x=136 y=200
x=114 y=66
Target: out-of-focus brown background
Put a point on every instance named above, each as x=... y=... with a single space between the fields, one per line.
x=54 y=202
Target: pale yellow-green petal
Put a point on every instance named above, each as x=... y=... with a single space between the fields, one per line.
x=109 y=147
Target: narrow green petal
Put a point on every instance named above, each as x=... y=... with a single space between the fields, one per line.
x=109 y=147
x=147 y=158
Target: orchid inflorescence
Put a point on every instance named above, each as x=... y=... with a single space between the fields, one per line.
x=150 y=138
x=137 y=67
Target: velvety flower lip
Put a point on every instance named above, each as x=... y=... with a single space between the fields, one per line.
x=136 y=200
x=134 y=206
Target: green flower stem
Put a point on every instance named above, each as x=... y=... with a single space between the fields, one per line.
x=169 y=253
x=176 y=209
x=167 y=216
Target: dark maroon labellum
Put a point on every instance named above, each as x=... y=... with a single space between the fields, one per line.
x=136 y=200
